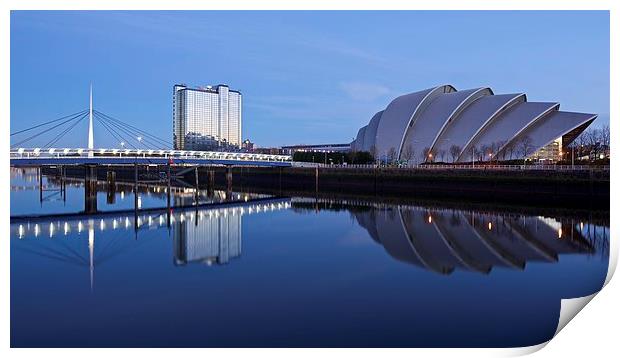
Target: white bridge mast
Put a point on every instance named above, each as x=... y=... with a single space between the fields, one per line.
x=91 y=136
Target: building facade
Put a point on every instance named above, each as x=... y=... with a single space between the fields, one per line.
x=206 y=118
x=446 y=125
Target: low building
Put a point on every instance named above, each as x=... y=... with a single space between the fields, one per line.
x=328 y=148
x=247 y=145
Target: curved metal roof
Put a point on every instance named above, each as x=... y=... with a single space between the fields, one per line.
x=436 y=115
x=440 y=117
x=545 y=131
x=358 y=143
x=400 y=114
x=505 y=126
x=370 y=134
x=463 y=127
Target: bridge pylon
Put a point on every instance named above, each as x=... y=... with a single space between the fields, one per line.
x=91 y=133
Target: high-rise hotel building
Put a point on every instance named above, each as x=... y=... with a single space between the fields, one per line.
x=206 y=118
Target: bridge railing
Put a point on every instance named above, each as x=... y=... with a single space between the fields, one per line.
x=477 y=166
x=34 y=153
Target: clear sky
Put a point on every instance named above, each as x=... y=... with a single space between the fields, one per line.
x=306 y=77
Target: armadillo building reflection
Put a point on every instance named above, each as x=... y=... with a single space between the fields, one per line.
x=445 y=240
x=217 y=239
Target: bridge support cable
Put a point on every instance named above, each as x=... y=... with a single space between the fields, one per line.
x=134 y=135
x=114 y=132
x=49 y=122
x=62 y=134
x=128 y=137
x=48 y=130
x=157 y=140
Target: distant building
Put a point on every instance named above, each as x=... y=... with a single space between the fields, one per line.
x=552 y=152
x=291 y=149
x=270 y=151
x=247 y=145
x=206 y=118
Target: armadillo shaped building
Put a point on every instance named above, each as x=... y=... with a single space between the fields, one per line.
x=442 y=119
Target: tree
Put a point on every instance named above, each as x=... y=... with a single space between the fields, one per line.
x=373 y=151
x=391 y=155
x=475 y=152
x=454 y=150
x=510 y=149
x=496 y=147
x=525 y=147
x=441 y=153
x=428 y=156
x=485 y=149
x=408 y=153
x=605 y=136
x=352 y=156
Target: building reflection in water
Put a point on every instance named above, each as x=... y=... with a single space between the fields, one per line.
x=209 y=234
x=215 y=238
x=443 y=240
x=436 y=239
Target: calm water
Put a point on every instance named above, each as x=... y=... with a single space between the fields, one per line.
x=250 y=270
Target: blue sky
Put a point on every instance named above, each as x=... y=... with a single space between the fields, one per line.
x=306 y=77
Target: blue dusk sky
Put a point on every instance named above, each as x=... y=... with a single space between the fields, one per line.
x=306 y=77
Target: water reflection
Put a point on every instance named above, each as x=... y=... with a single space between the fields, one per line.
x=436 y=239
x=443 y=240
x=91 y=196
x=209 y=234
x=214 y=237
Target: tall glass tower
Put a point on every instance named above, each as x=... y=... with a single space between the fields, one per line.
x=206 y=118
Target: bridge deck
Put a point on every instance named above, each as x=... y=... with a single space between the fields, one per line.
x=37 y=161
x=43 y=218
x=81 y=156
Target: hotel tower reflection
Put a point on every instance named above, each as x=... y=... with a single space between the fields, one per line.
x=214 y=238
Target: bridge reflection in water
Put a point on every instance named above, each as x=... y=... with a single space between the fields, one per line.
x=209 y=234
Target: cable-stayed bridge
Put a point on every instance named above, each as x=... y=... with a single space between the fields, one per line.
x=133 y=146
